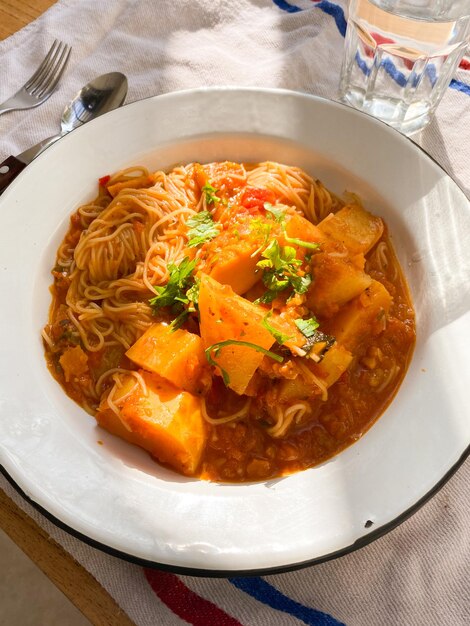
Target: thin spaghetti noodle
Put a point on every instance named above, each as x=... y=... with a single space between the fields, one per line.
x=123 y=252
x=225 y=419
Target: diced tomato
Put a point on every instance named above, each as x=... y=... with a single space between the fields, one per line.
x=254 y=198
x=104 y=180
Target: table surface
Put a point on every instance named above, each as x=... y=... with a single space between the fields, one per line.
x=70 y=577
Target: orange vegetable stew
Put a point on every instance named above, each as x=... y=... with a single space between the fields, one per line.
x=238 y=321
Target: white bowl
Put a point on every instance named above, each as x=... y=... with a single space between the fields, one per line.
x=114 y=495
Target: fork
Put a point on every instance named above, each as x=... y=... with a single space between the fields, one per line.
x=43 y=82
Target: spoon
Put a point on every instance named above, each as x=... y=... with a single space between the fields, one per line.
x=103 y=94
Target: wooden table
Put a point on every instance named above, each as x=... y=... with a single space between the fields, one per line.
x=80 y=587
x=14 y=14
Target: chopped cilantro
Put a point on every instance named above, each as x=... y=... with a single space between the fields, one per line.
x=181 y=290
x=267 y=297
x=174 y=291
x=279 y=258
x=216 y=347
x=301 y=284
x=300 y=242
x=261 y=228
x=278 y=215
x=202 y=228
x=281 y=338
x=192 y=293
x=209 y=191
x=281 y=271
x=179 y=320
x=307 y=327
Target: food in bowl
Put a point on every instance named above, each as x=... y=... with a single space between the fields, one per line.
x=238 y=321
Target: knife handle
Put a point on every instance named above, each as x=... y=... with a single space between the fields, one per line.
x=9 y=170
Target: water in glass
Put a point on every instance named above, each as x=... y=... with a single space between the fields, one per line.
x=400 y=56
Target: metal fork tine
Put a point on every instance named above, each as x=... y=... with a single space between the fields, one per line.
x=43 y=82
x=38 y=73
x=50 y=73
x=46 y=73
x=64 y=59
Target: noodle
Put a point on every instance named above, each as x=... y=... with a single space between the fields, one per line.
x=129 y=243
x=381 y=260
x=310 y=377
x=295 y=187
x=388 y=379
x=243 y=412
x=122 y=254
x=133 y=353
x=285 y=418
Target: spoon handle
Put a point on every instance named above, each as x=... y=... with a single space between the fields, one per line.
x=9 y=170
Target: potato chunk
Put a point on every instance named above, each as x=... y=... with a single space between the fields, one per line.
x=165 y=421
x=176 y=355
x=335 y=362
x=353 y=226
x=364 y=316
x=336 y=281
x=295 y=389
x=236 y=266
x=227 y=316
x=299 y=227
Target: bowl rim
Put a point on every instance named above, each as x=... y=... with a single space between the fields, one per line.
x=360 y=542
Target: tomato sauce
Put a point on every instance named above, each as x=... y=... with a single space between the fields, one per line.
x=243 y=451
x=246 y=449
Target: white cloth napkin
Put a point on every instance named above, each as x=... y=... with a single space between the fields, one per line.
x=417 y=574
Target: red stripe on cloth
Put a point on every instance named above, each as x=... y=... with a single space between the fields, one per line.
x=464 y=64
x=185 y=603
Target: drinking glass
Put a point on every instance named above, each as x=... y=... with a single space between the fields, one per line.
x=400 y=56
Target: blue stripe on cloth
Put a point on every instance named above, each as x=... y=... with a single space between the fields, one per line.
x=285 y=6
x=262 y=591
x=337 y=13
x=460 y=86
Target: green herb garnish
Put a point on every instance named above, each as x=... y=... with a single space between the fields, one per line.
x=279 y=258
x=192 y=294
x=300 y=242
x=307 y=327
x=280 y=271
x=216 y=347
x=209 y=191
x=181 y=278
x=301 y=283
x=202 y=228
x=179 y=320
x=181 y=290
x=281 y=338
x=278 y=215
x=261 y=228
